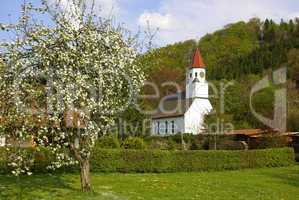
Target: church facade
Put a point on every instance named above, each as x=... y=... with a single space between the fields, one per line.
x=184 y=112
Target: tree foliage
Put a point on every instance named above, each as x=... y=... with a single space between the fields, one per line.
x=64 y=84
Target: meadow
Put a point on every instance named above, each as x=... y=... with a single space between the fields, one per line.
x=250 y=184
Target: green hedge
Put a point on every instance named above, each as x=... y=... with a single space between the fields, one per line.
x=116 y=160
x=186 y=161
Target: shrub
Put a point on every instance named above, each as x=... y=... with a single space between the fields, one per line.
x=108 y=142
x=231 y=145
x=269 y=142
x=191 y=142
x=129 y=160
x=177 y=138
x=171 y=145
x=133 y=143
x=196 y=145
x=161 y=143
x=158 y=144
x=186 y=161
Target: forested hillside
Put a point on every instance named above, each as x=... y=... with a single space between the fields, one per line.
x=238 y=49
x=242 y=52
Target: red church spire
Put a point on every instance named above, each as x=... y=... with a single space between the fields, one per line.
x=197 y=60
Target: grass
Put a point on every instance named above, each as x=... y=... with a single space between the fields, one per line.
x=257 y=184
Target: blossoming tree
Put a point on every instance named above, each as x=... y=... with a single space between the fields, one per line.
x=63 y=83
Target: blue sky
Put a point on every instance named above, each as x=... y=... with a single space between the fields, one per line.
x=178 y=20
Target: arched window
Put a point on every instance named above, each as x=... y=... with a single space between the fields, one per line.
x=190 y=75
x=172 y=126
x=158 y=127
x=196 y=74
x=166 y=127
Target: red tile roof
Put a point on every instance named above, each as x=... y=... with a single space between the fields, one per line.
x=257 y=132
x=197 y=60
x=247 y=132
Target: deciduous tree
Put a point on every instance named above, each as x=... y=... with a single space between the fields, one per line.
x=64 y=83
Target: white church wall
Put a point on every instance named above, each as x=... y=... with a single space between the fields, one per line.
x=201 y=90
x=194 y=117
x=190 y=76
x=174 y=125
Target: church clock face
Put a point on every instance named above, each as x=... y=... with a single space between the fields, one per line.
x=202 y=74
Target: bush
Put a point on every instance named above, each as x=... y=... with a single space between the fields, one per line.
x=133 y=143
x=108 y=142
x=186 y=161
x=158 y=144
x=196 y=145
x=174 y=142
x=122 y=160
x=161 y=143
x=269 y=142
x=221 y=142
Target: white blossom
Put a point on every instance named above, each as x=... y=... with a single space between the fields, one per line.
x=65 y=83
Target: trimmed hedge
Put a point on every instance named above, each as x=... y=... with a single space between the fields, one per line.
x=116 y=160
x=187 y=161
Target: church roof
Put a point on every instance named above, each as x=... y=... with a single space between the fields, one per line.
x=197 y=61
x=173 y=106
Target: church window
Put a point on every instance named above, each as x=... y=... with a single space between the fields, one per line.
x=202 y=74
x=195 y=74
x=158 y=127
x=190 y=75
x=172 y=126
x=166 y=127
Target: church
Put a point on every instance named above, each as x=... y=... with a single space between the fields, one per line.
x=184 y=112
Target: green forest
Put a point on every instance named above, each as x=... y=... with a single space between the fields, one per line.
x=241 y=53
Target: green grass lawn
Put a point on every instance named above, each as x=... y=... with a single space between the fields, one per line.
x=263 y=184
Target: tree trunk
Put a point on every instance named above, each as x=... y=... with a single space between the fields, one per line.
x=85 y=175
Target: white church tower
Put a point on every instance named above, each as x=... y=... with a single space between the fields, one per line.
x=185 y=113
x=196 y=84
x=197 y=91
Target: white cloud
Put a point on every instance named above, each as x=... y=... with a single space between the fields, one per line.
x=181 y=20
x=156 y=20
x=107 y=8
x=103 y=8
x=68 y=8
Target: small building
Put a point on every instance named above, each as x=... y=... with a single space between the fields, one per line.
x=257 y=138
x=184 y=112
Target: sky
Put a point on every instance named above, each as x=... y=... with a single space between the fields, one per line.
x=177 y=20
